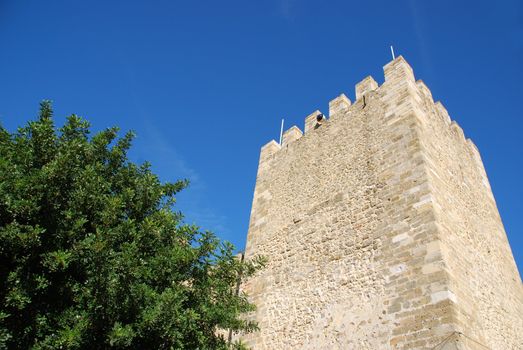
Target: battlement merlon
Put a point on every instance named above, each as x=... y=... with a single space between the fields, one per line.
x=311 y=121
x=398 y=70
x=457 y=130
x=364 y=86
x=339 y=105
x=442 y=111
x=291 y=135
x=269 y=149
x=422 y=87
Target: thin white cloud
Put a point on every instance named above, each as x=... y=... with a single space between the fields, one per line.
x=157 y=143
x=168 y=162
x=287 y=9
x=155 y=146
x=417 y=23
x=208 y=220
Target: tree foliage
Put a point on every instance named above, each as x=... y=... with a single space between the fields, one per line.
x=93 y=256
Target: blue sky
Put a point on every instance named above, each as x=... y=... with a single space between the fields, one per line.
x=205 y=83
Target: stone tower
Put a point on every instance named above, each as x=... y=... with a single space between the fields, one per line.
x=381 y=231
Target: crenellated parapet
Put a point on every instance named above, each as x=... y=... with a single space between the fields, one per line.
x=400 y=90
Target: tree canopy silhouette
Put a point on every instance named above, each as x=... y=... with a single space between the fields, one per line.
x=93 y=255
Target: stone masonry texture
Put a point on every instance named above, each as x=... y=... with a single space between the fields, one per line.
x=381 y=231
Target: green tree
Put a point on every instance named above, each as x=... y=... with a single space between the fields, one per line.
x=93 y=256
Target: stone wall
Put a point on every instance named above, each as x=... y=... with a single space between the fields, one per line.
x=483 y=277
x=373 y=240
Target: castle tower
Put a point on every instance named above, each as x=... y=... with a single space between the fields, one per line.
x=381 y=231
